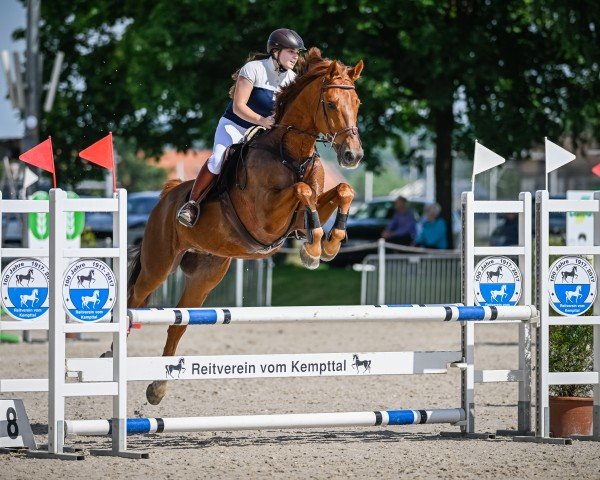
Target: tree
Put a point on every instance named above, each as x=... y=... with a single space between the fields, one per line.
x=507 y=73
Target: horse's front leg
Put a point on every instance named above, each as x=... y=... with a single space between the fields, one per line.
x=310 y=252
x=340 y=197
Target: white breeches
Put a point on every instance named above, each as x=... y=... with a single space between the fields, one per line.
x=227 y=133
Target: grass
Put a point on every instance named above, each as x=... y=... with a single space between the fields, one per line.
x=325 y=286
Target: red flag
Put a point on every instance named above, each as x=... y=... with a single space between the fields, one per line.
x=596 y=170
x=101 y=153
x=41 y=156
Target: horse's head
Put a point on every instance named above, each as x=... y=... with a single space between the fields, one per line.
x=323 y=101
x=339 y=112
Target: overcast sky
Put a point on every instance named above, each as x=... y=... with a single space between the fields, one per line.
x=12 y=16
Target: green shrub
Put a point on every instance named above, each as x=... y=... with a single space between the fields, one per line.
x=571 y=350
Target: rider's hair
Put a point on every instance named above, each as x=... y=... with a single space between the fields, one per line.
x=259 y=56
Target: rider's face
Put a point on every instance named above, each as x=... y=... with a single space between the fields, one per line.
x=288 y=57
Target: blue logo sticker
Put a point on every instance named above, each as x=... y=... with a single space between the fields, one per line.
x=498 y=281
x=572 y=285
x=89 y=290
x=25 y=289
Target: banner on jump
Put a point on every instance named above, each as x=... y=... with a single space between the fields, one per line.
x=266 y=366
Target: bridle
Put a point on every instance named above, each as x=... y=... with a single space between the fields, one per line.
x=328 y=137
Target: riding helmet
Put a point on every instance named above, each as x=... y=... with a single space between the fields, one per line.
x=284 y=38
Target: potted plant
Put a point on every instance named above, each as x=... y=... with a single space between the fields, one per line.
x=571 y=405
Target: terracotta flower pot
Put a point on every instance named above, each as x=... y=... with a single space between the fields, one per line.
x=570 y=416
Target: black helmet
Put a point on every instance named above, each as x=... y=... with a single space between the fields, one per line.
x=284 y=38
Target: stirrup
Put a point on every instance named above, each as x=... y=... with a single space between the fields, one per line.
x=188 y=214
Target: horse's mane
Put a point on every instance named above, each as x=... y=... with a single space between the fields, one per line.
x=315 y=66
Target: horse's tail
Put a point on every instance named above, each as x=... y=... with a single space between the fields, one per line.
x=134 y=267
x=168 y=186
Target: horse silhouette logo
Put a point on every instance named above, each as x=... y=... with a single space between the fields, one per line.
x=93 y=299
x=21 y=278
x=491 y=274
x=33 y=298
x=89 y=278
x=569 y=274
x=358 y=363
x=499 y=293
x=179 y=367
x=572 y=295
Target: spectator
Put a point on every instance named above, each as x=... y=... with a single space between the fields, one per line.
x=507 y=233
x=403 y=226
x=433 y=229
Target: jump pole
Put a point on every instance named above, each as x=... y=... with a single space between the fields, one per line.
x=214 y=316
x=268 y=422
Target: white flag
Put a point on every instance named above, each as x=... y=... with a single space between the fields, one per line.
x=485 y=159
x=29 y=179
x=556 y=156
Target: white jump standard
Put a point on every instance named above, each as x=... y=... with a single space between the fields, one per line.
x=267 y=422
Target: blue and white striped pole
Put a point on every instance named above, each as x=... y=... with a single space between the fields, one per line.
x=441 y=313
x=269 y=422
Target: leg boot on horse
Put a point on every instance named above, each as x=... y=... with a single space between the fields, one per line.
x=190 y=211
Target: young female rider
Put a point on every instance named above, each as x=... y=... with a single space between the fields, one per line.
x=253 y=102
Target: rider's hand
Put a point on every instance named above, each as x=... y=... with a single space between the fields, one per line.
x=267 y=122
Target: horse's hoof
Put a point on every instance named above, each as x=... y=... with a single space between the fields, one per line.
x=308 y=260
x=156 y=392
x=107 y=354
x=326 y=257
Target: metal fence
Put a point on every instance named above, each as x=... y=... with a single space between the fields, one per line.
x=410 y=278
x=246 y=284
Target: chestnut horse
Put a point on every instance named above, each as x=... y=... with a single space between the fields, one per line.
x=278 y=189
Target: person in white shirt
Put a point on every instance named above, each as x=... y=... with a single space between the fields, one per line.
x=252 y=103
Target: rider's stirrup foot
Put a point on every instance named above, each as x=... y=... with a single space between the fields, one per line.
x=188 y=214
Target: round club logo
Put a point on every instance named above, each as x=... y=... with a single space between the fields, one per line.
x=89 y=290
x=572 y=285
x=498 y=281
x=25 y=289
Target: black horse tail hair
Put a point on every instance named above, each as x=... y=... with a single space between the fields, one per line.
x=134 y=267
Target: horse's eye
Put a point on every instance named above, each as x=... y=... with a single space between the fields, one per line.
x=331 y=105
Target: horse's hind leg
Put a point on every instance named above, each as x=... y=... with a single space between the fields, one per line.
x=340 y=197
x=203 y=272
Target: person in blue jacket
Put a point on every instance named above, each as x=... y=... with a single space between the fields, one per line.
x=252 y=103
x=433 y=233
x=402 y=227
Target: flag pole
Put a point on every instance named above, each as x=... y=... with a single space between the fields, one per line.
x=53 y=164
x=546 y=161
x=473 y=171
x=114 y=174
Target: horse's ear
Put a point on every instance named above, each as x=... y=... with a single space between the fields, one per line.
x=314 y=52
x=354 y=72
x=335 y=69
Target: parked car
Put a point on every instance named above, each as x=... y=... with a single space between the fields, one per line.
x=139 y=206
x=366 y=225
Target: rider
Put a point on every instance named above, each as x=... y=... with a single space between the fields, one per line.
x=253 y=102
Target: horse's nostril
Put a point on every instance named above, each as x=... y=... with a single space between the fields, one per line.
x=348 y=155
